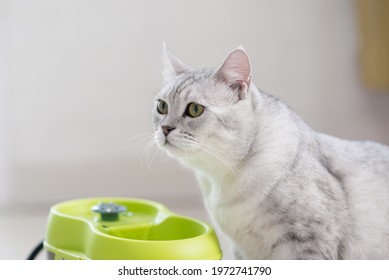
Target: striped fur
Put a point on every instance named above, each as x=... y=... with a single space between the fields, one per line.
x=277 y=188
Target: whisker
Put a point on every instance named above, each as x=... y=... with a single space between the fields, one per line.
x=212 y=151
x=144 y=146
x=216 y=153
x=137 y=143
x=206 y=161
x=152 y=153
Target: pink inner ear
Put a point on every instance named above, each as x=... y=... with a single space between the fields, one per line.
x=236 y=68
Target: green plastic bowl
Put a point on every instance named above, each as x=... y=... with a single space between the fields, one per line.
x=126 y=229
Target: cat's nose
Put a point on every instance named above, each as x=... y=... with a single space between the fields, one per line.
x=166 y=129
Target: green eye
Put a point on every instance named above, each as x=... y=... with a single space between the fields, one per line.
x=194 y=110
x=162 y=107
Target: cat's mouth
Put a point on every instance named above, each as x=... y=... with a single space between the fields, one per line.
x=172 y=149
x=168 y=144
x=175 y=150
x=176 y=145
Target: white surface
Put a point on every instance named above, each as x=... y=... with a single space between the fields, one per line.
x=20 y=233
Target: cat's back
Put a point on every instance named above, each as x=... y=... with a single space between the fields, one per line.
x=355 y=156
x=362 y=169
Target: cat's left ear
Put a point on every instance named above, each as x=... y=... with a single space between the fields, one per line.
x=172 y=65
x=236 y=71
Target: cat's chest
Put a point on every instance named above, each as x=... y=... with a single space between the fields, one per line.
x=219 y=196
x=225 y=204
x=240 y=216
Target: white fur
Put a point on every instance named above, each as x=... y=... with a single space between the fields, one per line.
x=254 y=159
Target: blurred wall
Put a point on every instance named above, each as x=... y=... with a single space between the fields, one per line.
x=4 y=104
x=82 y=75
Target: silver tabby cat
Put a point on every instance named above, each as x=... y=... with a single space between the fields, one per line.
x=275 y=187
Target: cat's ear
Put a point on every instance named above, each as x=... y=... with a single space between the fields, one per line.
x=236 y=71
x=172 y=65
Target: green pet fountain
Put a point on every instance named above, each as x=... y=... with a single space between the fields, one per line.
x=126 y=229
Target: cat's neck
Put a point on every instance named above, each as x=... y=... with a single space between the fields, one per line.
x=213 y=166
x=277 y=133
x=282 y=135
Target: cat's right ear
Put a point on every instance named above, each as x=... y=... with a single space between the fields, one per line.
x=172 y=65
x=236 y=71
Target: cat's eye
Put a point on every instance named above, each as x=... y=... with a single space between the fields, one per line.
x=162 y=107
x=195 y=110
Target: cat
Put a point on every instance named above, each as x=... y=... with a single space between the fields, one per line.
x=274 y=186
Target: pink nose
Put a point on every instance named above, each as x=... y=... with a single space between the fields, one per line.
x=166 y=129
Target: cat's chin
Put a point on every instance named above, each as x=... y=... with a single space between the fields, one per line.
x=177 y=152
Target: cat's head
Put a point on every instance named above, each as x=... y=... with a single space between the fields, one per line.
x=205 y=113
